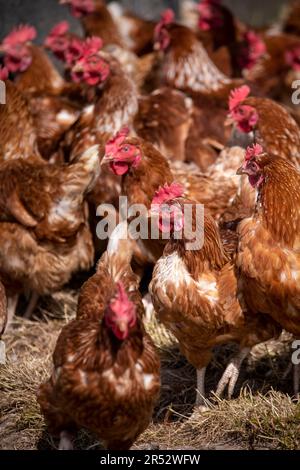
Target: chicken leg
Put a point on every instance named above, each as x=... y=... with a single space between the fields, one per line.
x=66 y=441
x=296 y=380
x=2 y=352
x=12 y=302
x=231 y=373
x=31 y=306
x=200 y=396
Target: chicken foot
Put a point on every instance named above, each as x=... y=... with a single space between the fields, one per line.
x=231 y=373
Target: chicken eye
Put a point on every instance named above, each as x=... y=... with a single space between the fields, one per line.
x=125 y=148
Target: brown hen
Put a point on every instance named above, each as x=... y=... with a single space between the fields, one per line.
x=263 y=121
x=44 y=231
x=106 y=368
x=200 y=304
x=39 y=80
x=268 y=256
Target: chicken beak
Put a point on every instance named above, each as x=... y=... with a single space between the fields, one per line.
x=77 y=68
x=107 y=159
x=122 y=327
x=64 y=2
x=240 y=171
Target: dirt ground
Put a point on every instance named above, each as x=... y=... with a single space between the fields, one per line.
x=261 y=415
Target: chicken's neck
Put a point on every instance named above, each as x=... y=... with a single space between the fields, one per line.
x=101 y=23
x=276 y=130
x=41 y=77
x=122 y=351
x=141 y=182
x=278 y=202
x=226 y=35
x=211 y=256
x=118 y=104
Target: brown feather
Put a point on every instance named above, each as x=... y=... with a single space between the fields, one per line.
x=18 y=137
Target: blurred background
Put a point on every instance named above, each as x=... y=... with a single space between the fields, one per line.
x=44 y=13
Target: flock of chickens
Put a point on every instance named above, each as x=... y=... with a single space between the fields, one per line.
x=172 y=113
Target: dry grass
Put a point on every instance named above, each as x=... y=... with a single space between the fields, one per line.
x=253 y=421
x=262 y=415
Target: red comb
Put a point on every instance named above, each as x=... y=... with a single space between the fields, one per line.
x=292 y=57
x=93 y=44
x=210 y=16
x=237 y=96
x=209 y=2
x=88 y=46
x=167 y=16
x=19 y=35
x=253 y=151
x=3 y=73
x=255 y=48
x=61 y=28
x=123 y=133
x=254 y=39
x=167 y=193
x=79 y=48
x=81 y=7
x=74 y=51
x=117 y=140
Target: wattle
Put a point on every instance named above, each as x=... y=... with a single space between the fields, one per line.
x=204 y=26
x=119 y=168
x=244 y=126
x=255 y=180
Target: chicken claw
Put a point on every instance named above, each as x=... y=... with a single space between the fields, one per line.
x=231 y=373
